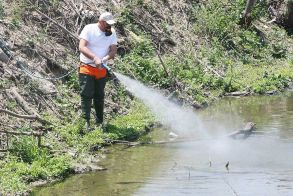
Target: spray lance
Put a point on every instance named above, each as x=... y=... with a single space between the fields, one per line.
x=110 y=73
x=109 y=70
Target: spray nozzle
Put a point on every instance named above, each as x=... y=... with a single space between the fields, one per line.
x=107 y=67
x=111 y=75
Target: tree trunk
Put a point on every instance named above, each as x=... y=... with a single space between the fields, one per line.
x=290 y=14
x=248 y=8
x=246 y=18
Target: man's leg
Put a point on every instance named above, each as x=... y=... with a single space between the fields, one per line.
x=87 y=84
x=99 y=95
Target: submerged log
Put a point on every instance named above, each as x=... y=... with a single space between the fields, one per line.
x=243 y=133
x=138 y=143
x=240 y=134
x=237 y=94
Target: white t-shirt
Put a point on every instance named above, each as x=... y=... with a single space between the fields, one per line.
x=98 y=42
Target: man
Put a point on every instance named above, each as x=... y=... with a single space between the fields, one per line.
x=98 y=44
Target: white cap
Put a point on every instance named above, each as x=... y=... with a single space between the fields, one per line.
x=107 y=17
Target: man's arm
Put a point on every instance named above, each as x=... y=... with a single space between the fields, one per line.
x=111 y=54
x=86 y=52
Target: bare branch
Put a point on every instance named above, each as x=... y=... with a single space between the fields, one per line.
x=34 y=133
x=30 y=117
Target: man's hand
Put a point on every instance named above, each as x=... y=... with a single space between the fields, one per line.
x=98 y=62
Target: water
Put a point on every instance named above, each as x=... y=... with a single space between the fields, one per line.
x=260 y=165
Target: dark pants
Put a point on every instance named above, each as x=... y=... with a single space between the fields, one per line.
x=92 y=89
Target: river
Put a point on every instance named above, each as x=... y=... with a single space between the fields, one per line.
x=259 y=165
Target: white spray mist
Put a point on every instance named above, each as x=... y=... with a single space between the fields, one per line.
x=183 y=121
x=255 y=153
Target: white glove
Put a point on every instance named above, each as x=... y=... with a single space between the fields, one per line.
x=105 y=59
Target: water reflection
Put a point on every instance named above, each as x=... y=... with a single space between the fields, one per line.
x=126 y=172
x=258 y=166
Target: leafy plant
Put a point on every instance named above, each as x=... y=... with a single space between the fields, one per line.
x=73 y=82
x=133 y=124
x=11 y=105
x=26 y=148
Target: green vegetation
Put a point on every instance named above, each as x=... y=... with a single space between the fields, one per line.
x=11 y=105
x=26 y=163
x=232 y=58
x=126 y=127
x=18 y=8
x=255 y=60
x=132 y=125
x=213 y=56
x=140 y=62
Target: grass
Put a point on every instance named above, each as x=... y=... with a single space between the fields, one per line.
x=126 y=127
x=26 y=162
x=132 y=125
x=228 y=58
x=255 y=59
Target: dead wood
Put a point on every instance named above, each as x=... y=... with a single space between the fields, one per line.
x=132 y=144
x=20 y=100
x=51 y=107
x=33 y=133
x=161 y=142
x=10 y=126
x=237 y=93
x=243 y=133
x=214 y=71
x=246 y=18
x=162 y=63
x=30 y=117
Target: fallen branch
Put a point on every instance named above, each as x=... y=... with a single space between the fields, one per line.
x=33 y=133
x=37 y=134
x=30 y=117
x=10 y=126
x=245 y=132
x=160 y=142
x=237 y=93
x=20 y=100
x=51 y=107
x=25 y=106
x=131 y=144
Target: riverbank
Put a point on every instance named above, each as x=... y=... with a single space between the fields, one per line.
x=69 y=150
x=206 y=56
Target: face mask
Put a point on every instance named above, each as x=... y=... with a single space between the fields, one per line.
x=108 y=31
